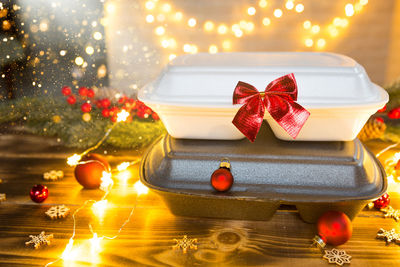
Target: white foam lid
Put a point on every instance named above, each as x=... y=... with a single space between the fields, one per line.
x=323 y=79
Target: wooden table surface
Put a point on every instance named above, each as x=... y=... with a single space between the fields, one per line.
x=147 y=239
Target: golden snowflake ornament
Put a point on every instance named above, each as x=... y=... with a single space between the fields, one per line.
x=390 y=212
x=389 y=236
x=185 y=243
x=57 y=212
x=38 y=240
x=2 y=197
x=337 y=256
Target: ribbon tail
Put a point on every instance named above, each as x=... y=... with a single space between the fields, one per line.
x=249 y=118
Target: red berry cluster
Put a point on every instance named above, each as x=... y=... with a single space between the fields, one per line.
x=392 y=114
x=109 y=109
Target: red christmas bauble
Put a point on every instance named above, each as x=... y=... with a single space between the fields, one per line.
x=394 y=113
x=383 y=201
x=86 y=107
x=66 y=90
x=90 y=93
x=83 y=91
x=39 y=193
x=71 y=100
x=222 y=179
x=335 y=228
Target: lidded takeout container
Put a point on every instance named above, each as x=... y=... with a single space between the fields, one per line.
x=313 y=176
x=193 y=94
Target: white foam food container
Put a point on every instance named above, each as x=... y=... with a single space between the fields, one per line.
x=193 y=94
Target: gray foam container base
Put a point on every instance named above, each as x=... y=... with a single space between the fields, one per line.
x=313 y=176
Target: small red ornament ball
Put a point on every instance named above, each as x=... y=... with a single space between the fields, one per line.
x=39 y=193
x=83 y=91
x=90 y=93
x=86 y=107
x=71 y=100
x=335 y=228
x=222 y=179
x=66 y=90
x=394 y=113
x=382 y=202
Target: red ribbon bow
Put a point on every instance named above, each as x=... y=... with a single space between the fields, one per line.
x=278 y=98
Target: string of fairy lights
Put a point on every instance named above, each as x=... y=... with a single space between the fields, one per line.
x=314 y=35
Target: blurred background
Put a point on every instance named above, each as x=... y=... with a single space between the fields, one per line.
x=120 y=45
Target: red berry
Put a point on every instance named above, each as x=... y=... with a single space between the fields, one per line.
x=71 y=100
x=90 y=93
x=66 y=90
x=98 y=104
x=86 y=107
x=394 y=113
x=83 y=91
x=382 y=109
x=114 y=111
x=382 y=202
x=379 y=119
x=105 y=103
x=222 y=179
x=105 y=112
x=122 y=100
x=114 y=118
x=155 y=116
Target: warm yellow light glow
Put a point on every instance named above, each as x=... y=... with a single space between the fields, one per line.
x=122 y=115
x=213 y=49
x=166 y=8
x=227 y=45
x=308 y=42
x=358 y=7
x=344 y=23
x=123 y=166
x=123 y=176
x=263 y=3
x=321 y=43
x=67 y=254
x=164 y=43
x=337 y=21
x=299 y=8
x=95 y=244
x=251 y=11
x=249 y=26
x=74 y=160
x=235 y=27
x=149 y=18
x=208 y=26
x=307 y=24
x=79 y=61
x=192 y=22
x=160 y=30
x=171 y=43
x=315 y=29
x=266 y=21
x=99 y=207
x=289 y=5
x=349 y=10
x=178 y=16
x=363 y=2
x=187 y=48
x=171 y=57
x=242 y=24
x=140 y=188
x=194 y=49
x=63 y=52
x=333 y=31
x=150 y=5
x=106 y=181
x=110 y=8
x=238 y=33
x=89 y=50
x=97 y=36
x=222 y=29
x=278 y=13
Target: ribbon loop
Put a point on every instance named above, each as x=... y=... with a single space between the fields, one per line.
x=278 y=98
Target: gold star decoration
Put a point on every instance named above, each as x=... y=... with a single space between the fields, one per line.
x=390 y=212
x=185 y=243
x=389 y=236
x=337 y=256
x=38 y=240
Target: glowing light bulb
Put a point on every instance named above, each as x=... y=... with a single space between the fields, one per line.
x=208 y=26
x=192 y=22
x=344 y=23
x=97 y=36
x=363 y=2
x=150 y=5
x=227 y=45
x=95 y=244
x=122 y=115
x=194 y=49
x=106 y=181
x=278 y=13
x=99 y=207
x=307 y=24
x=74 y=160
x=249 y=27
x=333 y=31
x=89 y=50
x=213 y=49
x=299 y=8
x=171 y=57
x=123 y=166
x=337 y=21
x=238 y=33
x=164 y=43
x=166 y=8
x=67 y=255
x=321 y=43
x=308 y=42
x=266 y=21
x=149 y=18
x=110 y=8
x=289 y=5
x=63 y=52
x=140 y=188
x=251 y=11
x=160 y=30
x=263 y=3
x=315 y=29
x=349 y=10
x=178 y=16
x=187 y=48
x=79 y=61
x=222 y=29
